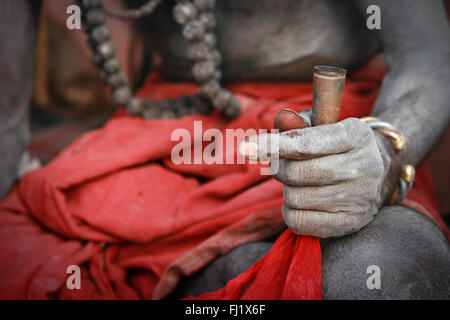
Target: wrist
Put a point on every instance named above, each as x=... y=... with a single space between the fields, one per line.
x=391 y=165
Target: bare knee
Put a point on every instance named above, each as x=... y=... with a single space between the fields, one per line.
x=409 y=251
x=215 y=275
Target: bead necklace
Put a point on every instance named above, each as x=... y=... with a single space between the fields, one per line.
x=198 y=22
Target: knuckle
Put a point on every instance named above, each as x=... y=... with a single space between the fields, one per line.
x=354 y=125
x=351 y=224
x=371 y=163
x=367 y=132
x=291 y=196
x=290 y=172
x=352 y=122
x=324 y=224
x=283 y=173
x=345 y=224
x=291 y=218
x=358 y=131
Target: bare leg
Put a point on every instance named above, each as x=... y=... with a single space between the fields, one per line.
x=411 y=252
x=217 y=273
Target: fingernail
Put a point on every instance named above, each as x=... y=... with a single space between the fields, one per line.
x=248 y=149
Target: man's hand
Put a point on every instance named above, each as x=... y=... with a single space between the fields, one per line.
x=332 y=175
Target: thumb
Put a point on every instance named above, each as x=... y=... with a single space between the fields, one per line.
x=288 y=119
x=260 y=147
x=266 y=146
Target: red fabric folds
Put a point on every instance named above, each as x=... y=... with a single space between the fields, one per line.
x=115 y=204
x=291 y=270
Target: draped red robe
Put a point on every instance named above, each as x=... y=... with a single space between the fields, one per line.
x=115 y=204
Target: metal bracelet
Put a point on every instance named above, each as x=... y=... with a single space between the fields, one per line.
x=398 y=142
x=407 y=175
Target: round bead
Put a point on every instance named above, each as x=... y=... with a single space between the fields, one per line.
x=217 y=75
x=184 y=12
x=167 y=113
x=106 y=49
x=222 y=99
x=85 y=27
x=150 y=113
x=104 y=77
x=193 y=30
x=208 y=20
x=116 y=80
x=210 y=39
x=97 y=60
x=203 y=70
x=181 y=112
x=180 y=106
x=151 y=110
x=233 y=109
x=111 y=66
x=135 y=106
x=95 y=17
x=232 y=113
x=202 y=105
x=121 y=95
x=210 y=88
x=164 y=103
x=215 y=57
x=205 y=4
x=100 y=34
x=198 y=51
x=91 y=3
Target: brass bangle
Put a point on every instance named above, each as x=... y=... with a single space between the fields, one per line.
x=408 y=173
x=405 y=183
x=398 y=142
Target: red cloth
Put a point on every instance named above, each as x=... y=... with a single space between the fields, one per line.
x=114 y=204
x=292 y=270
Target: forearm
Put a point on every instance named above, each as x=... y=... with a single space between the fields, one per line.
x=415 y=99
x=416 y=102
x=414 y=96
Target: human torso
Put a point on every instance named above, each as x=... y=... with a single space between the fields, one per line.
x=270 y=40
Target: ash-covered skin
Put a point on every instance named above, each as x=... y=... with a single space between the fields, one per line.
x=413 y=255
x=18 y=26
x=283 y=40
x=332 y=176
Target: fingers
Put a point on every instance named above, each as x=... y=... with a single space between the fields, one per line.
x=324 y=224
x=321 y=171
x=332 y=199
x=305 y=143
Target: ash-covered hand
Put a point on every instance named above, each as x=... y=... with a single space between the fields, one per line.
x=332 y=175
